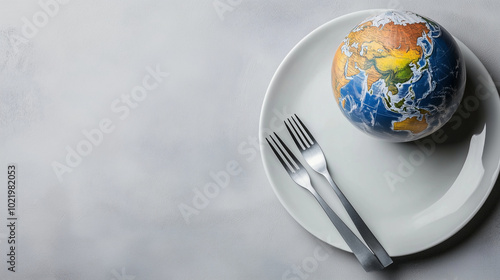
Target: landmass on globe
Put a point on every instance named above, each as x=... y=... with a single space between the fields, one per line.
x=398 y=76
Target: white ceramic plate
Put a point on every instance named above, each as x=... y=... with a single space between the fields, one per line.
x=413 y=196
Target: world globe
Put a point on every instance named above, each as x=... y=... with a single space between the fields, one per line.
x=398 y=76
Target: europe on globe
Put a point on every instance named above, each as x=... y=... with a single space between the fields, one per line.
x=398 y=76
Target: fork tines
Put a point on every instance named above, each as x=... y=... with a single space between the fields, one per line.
x=304 y=138
x=284 y=154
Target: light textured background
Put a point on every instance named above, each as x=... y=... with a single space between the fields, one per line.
x=116 y=215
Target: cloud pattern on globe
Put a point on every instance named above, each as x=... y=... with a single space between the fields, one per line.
x=398 y=76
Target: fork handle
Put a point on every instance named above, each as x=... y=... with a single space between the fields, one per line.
x=363 y=229
x=362 y=253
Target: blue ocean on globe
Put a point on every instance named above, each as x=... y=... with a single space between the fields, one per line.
x=398 y=76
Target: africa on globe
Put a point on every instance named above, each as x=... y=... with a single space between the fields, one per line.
x=398 y=76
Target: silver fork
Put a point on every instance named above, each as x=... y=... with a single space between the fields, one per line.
x=315 y=157
x=300 y=176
